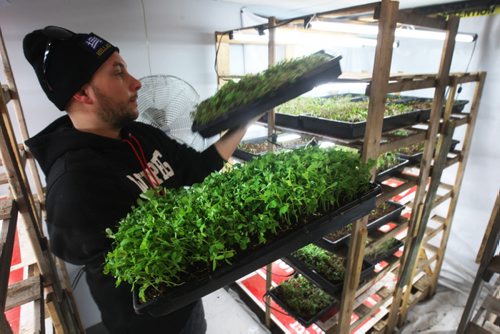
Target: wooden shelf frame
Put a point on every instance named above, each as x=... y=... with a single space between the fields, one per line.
x=441 y=125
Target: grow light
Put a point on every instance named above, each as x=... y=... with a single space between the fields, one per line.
x=404 y=31
x=292 y=36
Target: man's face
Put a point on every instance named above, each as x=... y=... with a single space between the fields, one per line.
x=115 y=92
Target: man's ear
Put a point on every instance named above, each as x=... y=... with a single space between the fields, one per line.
x=82 y=95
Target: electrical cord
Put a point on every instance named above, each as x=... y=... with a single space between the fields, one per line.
x=459 y=90
x=77 y=278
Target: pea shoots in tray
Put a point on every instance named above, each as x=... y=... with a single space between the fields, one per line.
x=236 y=103
x=177 y=247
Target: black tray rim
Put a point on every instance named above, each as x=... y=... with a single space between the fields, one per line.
x=282 y=94
x=387 y=173
x=185 y=294
x=370 y=226
x=330 y=287
x=302 y=321
x=353 y=130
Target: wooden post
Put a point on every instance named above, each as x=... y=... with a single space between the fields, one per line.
x=271 y=49
x=221 y=58
x=271 y=121
x=373 y=134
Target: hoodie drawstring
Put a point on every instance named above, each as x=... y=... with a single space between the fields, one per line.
x=152 y=180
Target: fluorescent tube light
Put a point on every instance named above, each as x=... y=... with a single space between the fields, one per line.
x=372 y=30
x=292 y=36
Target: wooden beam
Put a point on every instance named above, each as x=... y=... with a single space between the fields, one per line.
x=373 y=134
x=23 y=292
x=406 y=85
x=7 y=236
x=6 y=93
x=403 y=142
x=271 y=130
x=417 y=19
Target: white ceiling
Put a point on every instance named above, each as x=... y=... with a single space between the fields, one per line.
x=292 y=8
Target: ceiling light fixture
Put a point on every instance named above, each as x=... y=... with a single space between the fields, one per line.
x=401 y=32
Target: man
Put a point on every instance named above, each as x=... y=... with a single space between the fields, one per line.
x=97 y=161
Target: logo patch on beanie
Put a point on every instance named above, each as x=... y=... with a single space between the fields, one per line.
x=96 y=44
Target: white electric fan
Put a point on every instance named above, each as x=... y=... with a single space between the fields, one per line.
x=166 y=102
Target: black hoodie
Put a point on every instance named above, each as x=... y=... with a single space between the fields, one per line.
x=94 y=181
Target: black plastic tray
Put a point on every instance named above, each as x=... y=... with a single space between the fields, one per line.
x=247 y=156
x=352 y=130
x=330 y=287
x=241 y=115
x=331 y=245
x=385 y=174
x=412 y=158
x=185 y=294
x=381 y=257
x=304 y=322
x=417 y=157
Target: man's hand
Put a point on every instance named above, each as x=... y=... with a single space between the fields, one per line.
x=231 y=139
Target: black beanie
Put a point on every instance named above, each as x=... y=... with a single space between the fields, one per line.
x=70 y=63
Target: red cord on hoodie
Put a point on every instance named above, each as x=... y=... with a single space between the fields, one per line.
x=152 y=180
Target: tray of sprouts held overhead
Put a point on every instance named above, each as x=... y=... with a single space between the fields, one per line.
x=237 y=103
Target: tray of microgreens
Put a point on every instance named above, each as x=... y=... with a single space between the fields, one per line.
x=178 y=245
x=343 y=116
x=325 y=268
x=302 y=299
x=237 y=103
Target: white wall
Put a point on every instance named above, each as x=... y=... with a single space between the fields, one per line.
x=182 y=44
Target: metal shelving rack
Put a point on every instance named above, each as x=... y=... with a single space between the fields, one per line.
x=416 y=272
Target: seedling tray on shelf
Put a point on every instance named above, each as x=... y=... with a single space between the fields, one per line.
x=249 y=261
x=381 y=257
x=352 y=130
x=284 y=120
x=332 y=288
x=417 y=157
x=385 y=174
x=304 y=322
x=247 y=155
x=239 y=116
x=332 y=245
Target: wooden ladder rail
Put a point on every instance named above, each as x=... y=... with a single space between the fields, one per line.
x=460 y=172
x=411 y=247
x=18 y=110
x=486 y=267
x=22 y=194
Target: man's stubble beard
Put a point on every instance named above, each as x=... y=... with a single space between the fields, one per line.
x=117 y=115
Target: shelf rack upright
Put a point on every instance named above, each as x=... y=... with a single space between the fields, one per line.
x=418 y=269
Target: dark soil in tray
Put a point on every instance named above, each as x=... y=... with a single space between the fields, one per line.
x=301 y=299
x=382 y=214
x=327 y=269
